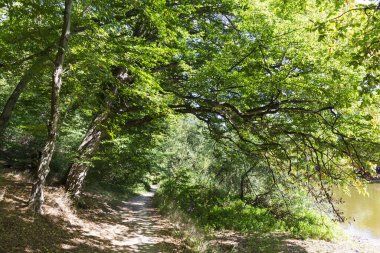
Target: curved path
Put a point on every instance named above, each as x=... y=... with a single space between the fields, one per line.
x=124 y=226
x=130 y=226
x=103 y=226
x=149 y=232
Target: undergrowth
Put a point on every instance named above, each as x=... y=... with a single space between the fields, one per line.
x=96 y=193
x=212 y=209
x=192 y=234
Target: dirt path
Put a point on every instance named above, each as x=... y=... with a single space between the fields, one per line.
x=108 y=226
x=148 y=231
x=131 y=226
x=126 y=226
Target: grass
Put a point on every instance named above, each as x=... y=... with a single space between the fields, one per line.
x=208 y=219
x=214 y=209
x=186 y=228
x=207 y=240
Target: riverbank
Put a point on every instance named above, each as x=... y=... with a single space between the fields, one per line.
x=132 y=226
x=347 y=245
x=232 y=241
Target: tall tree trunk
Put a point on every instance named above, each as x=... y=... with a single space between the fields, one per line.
x=12 y=100
x=37 y=195
x=242 y=188
x=78 y=170
x=96 y=132
x=88 y=147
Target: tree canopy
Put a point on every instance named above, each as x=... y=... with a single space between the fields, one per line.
x=287 y=90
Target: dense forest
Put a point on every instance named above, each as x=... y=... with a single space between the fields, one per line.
x=247 y=114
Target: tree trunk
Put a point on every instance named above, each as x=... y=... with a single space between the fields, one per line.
x=88 y=147
x=37 y=195
x=12 y=100
x=242 y=188
x=242 y=182
x=78 y=170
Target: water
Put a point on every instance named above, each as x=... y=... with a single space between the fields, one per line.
x=363 y=213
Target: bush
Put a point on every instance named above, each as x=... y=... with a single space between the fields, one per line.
x=309 y=224
x=238 y=216
x=213 y=208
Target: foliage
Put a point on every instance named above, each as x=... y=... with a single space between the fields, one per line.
x=220 y=211
x=124 y=163
x=288 y=93
x=197 y=183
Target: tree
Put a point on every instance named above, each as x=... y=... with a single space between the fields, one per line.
x=11 y=102
x=290 y=103
x=259 y=86
x=152 y=45
x=37 y=195
x=26 y=42
x=277 y=81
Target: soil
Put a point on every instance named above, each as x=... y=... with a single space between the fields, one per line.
x=107 y=226
x=125 y=226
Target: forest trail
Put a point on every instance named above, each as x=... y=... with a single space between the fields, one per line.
x=148 y=231
x=102 y=226
x=105 y=225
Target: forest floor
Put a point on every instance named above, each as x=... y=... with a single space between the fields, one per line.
x=103 y=226
x=107 y=225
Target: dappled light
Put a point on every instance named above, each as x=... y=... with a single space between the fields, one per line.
x=133 y=226
x=208 y=126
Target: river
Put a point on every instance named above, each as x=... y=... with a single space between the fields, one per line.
x=363 y=213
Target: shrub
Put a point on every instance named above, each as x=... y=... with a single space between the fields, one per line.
x=213 y=208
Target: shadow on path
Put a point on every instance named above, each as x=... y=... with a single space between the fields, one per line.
x=149 y=232
x=123 y=226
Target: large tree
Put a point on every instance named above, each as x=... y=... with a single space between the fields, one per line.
x=279 y=79
x=266 y=73
x=290 y=93
x=144 y=41
x=37 y=195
